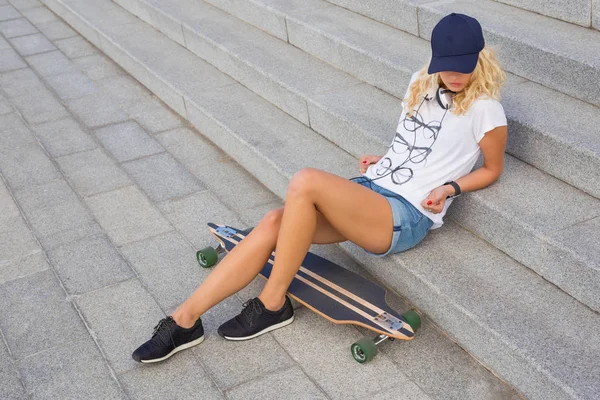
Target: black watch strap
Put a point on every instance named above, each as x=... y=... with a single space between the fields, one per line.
x=456 y=189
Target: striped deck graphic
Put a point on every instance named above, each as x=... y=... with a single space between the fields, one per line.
x=332 y=291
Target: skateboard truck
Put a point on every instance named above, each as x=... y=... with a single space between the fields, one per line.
x=365 y=349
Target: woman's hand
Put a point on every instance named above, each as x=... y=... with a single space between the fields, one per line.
x=366 y=161
x=434 y=203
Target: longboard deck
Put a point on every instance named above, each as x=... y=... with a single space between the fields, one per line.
x=335 y=293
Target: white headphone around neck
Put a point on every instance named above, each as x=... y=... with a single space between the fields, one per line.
x=443 y=97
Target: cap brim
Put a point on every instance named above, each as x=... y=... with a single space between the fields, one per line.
x=464 y=64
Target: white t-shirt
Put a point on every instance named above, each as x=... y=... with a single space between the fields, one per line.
x=423 y=156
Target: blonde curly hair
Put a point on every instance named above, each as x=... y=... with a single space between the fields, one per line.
x=487 y=79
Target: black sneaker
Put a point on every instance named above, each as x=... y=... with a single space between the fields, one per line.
x=167 y=339
x=255 y=319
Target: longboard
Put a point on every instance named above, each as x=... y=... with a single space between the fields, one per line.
x=335 y=293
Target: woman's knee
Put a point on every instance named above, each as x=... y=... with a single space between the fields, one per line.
x=272 y=220
x=302 y=181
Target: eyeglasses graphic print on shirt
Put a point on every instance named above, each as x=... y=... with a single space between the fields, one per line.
x=401 y=145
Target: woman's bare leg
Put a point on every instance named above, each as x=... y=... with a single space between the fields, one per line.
x=357 y=213
x=242 y=264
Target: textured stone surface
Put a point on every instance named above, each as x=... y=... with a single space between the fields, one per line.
x=268 y=15
x=121 y=317
x=51 y=63
x=233 y=185
x=162 y=177
x=187 y=218
x=168 y=267
x=565 y=148
x=96 y=110
x=92 y=172
x=359 y=46
x=35 y=315
x=25 y=4
x=293 y=382
x=56 y=30
x=76 y=46
x=14 y=132
x=147 y=77
x=574 y=11
x=16 y=241
x=55 y=213
x=10 y=384
x=89 y=264
x=40 y=106
x=276 y=71
x=127 y=215
x=32 y=44
x=155 y=13
x=63 y=137
x=27 y=265
x=17 y=27
x=98 y=66
x=70 y=371
x=72 y=85
x=262 y=131
x=360 y=119
x=515 y=218
x=27 y=166
x=8 y=12
x=572 y=260
x=164 y=58
x=39 y=15
x=125 y=90
x=5 y=106
x=181 y=377
x=127 y=141
x=20 y=83
x=10 y=59
x=401 y=14
x=153 y=116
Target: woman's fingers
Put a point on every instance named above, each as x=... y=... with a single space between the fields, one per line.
x=366 y=161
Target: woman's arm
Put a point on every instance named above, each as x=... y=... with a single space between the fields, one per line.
x=492 y=146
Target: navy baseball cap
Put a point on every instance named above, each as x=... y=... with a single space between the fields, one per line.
x=455 y=44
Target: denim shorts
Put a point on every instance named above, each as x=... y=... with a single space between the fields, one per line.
x=410 y=224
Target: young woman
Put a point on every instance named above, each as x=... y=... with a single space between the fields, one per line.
x=451 y=114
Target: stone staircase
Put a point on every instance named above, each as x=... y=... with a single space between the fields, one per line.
x=279 y=85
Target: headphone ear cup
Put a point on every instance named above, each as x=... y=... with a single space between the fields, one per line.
x=439 y=99
x=443 y=100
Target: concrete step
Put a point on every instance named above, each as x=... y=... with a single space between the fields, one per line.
x=521 y=325
x=284 y=75
x=354 y=43
x=557 y=54
x=578 y=12
x=402 y=14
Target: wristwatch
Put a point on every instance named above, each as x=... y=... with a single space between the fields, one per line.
x=456 y=189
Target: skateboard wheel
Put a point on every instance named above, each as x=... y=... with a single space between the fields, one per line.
x=207 y=257
x=364 y=350
x=413 y=319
